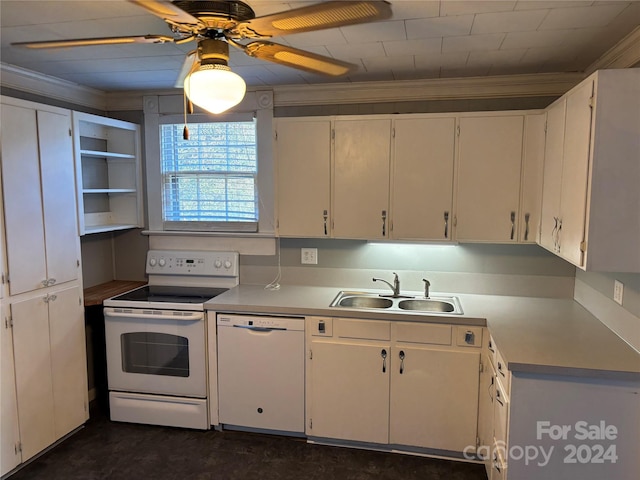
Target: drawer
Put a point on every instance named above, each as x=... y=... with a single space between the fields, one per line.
x=468 y=336
x=501 y=371
x=426 y=333
x=361 y=329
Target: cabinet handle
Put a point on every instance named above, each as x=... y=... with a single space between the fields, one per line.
x=554 y=233
x=51 y=281
x=384 y=223
x=526 y=227
x=45 y=282
x=513 y=224
x=490 y=347
x=401 y=355
x=558 y=235
x=383 y=354
x=446 y=224
x=325 y=216
x=493 y=380
x=498 y=399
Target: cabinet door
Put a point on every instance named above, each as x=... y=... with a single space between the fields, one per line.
x=575 y=173
x=434 y=398
x=58 y=196
x=23 y=199
x=303 y=156
x=552 y=175
x=9 y=431
x=68 y=360
x=33 y=375
x=488 y=191
x=361 y=179
x=531 y=188
x=423 y=178
x=485 y=409
x=349 y=397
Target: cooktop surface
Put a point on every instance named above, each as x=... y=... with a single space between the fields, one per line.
x=170 y=294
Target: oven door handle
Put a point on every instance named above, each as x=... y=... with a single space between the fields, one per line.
x=182 y=317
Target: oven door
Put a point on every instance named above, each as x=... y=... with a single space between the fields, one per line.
x=156 y=351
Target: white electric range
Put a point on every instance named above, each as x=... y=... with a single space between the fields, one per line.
x=156 y=339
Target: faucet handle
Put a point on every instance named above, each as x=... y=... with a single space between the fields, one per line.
x=427 y=284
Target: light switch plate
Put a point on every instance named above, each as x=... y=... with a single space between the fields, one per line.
x=309 y=256
x=618 y=291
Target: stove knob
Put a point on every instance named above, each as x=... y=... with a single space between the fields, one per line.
x=227 y=264
x=218 y=263
x=162 y=262
x=152 y=262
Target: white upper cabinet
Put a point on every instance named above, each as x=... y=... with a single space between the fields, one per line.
x=531 y=186
x=108 y=171
x=303 y=158
x=489 y=170
x=361 y=178
x=422 y=178
x=552 y=177
x=591 y=198
x=39 y=196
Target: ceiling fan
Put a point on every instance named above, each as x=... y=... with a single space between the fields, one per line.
x=215 y=25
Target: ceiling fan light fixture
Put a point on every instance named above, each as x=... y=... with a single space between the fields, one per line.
x=214 y=87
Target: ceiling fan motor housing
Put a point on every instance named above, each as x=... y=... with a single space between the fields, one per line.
x=217 y=15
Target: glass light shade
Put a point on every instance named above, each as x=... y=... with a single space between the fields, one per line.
x=214 y=87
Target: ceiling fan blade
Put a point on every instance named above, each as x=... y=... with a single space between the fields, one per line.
x=168 y=12
x=86 y=42
x=190 y=63
x=315 y=17
x=295 y=58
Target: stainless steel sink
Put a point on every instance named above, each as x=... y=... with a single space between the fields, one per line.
x=362 y=301
x=412 y=303
x=427 y=305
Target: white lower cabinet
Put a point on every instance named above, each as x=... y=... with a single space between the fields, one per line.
x=404 y=384
x=50 y=367
x=10 y=455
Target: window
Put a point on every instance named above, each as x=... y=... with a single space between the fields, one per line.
x=209 y=181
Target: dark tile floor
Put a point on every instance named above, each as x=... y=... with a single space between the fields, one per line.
x=110 y=450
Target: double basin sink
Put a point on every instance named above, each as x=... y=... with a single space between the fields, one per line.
x=416 y=304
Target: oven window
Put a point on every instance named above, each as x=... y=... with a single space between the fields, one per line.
x=155 y=354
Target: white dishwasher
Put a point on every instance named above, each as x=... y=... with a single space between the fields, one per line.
x=261 y=372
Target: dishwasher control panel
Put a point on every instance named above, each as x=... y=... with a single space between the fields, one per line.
x=261 y=322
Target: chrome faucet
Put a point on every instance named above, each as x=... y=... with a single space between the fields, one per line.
x=396 y=284
x=427 y=284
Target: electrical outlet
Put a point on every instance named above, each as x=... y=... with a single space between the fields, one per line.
x=309 y=256
x=618 y=290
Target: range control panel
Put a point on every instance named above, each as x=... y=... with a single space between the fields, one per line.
x=197 y=263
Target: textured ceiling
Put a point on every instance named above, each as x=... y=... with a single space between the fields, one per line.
x=422 y=40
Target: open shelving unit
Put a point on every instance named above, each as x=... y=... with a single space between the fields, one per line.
x=108 y=173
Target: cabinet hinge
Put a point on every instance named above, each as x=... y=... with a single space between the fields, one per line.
x=458 y=130
x=8 y=322
x=70 y=134
x=310 y=354
x=583 y=246
x=333 y=134
x=481 y=367
x=393 y=133
x=18 y=447
x=592 y=101
x=545 y=127
x=477 y=441
x=310 y=424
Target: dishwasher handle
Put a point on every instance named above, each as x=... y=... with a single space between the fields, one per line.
x=260 y=329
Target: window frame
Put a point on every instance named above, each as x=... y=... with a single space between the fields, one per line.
x=209 y=226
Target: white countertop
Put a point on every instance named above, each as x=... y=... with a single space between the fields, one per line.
x=534 y=335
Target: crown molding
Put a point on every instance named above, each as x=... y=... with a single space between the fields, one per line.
x=624 y=54
x=35 y=83
x=504 y=86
